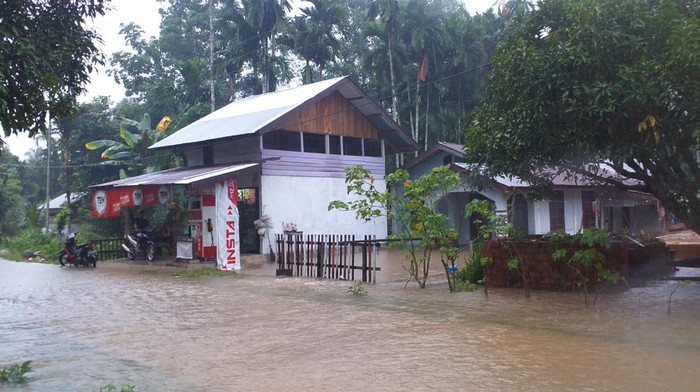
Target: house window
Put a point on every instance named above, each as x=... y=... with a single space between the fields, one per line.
x=373 y=148
x=556 y=211
x=517 y=212
x=352 y=146
x=282 y=140
x=334 y=144
x=314 y=143
x=587 y=216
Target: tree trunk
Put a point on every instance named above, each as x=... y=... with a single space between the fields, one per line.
x=417 y=115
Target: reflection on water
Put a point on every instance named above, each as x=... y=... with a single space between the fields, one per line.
x=126 y=324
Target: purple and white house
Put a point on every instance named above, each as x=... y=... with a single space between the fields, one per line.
x=286 y=151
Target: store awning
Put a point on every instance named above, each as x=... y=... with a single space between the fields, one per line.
x=178 y=176
x=155 y=188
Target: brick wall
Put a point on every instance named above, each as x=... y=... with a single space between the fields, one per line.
x=537 y=265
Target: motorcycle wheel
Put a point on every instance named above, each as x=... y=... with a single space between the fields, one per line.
x=130 y=254
x=61 y=259
x=151 y=252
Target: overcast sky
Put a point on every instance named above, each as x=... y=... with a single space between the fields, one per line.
x=145 y=14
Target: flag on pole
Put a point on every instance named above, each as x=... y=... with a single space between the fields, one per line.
x=423 y=69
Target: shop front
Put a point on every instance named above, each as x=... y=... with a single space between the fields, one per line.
x=204 y=213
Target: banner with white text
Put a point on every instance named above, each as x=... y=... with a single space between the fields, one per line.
x=228 y=251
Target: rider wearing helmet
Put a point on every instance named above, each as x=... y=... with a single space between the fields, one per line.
x=71 y=247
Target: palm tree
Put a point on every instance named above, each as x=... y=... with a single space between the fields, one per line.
x=316 y=33
x=266 y=16
x=387 y=12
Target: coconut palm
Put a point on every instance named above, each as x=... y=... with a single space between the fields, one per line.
x=266 y=16
x=387 y=11
x=316 y=34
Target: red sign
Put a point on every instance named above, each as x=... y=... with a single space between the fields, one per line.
x=105 y=203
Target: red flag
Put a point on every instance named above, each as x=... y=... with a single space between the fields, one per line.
x=423 y=69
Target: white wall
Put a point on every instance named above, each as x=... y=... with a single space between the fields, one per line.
x=304 y=201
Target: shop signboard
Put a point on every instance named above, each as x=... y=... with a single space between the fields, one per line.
x=228 y=255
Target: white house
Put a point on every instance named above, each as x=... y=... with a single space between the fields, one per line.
x=573 y=205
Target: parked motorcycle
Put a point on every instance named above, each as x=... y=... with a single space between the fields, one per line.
x=78 y=254
x=139 y=242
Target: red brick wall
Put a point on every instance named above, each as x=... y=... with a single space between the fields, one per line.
x=537 y=265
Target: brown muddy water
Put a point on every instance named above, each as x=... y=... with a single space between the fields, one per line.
x=142 y=326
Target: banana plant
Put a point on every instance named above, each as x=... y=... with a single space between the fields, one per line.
x=132 y=150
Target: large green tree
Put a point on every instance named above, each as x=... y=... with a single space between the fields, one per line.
x=46 y=56
x=585 y=85
x=12 y=214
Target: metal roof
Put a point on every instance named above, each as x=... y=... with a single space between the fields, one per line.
x=178 y=176
x=60 y=201
x=254 y=114
x=450 y=148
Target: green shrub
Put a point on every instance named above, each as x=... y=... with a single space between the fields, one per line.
x=33 y=240
x=15 y=373
x=113 y=388
x=357 y=289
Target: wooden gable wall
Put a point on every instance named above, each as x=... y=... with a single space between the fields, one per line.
x=332 y=115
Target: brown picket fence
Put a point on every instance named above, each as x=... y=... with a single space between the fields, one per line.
x=327 y=256
x=109 y=249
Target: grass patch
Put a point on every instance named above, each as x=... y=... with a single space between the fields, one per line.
x=205 y=272
x=15 y=373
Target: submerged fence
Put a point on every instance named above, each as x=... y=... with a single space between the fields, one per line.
x=109 y=249
x=327 y=256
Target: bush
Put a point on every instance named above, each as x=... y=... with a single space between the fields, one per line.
x=15 y=373
x=33 y=240
x=472 y=272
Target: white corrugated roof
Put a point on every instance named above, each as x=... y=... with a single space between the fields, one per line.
x=60 y=201
x=249 y=115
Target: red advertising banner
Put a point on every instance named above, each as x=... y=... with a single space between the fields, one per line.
x=228 y=255
x=106 y=203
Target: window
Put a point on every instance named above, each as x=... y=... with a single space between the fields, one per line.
x=314 y=143
x=588 y=215
x=517 y=212
x=556 y=211
x=352 y=146
x=373 y=148
x=282 y=140
x=334 y=144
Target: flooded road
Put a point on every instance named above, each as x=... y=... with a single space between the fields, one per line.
x=84 y=328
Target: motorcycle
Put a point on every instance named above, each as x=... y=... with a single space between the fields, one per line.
x=139 y=242
x=78 y=254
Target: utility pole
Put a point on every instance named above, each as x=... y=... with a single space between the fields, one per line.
x=48 y=169
x=212 y=92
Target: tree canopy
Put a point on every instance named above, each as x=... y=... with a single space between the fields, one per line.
x=46 y=56
x=585 y=85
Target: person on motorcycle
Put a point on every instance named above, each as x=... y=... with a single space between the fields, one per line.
x=141 y=224
x=71 y=247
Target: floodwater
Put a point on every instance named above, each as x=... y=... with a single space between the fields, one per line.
x=143 y=326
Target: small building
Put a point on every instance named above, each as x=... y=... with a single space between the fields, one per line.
x=57 y=204
x=573 y=204
x=283 y=154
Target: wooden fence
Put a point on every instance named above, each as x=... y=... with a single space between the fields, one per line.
x=327 y=256
x=109 y=249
